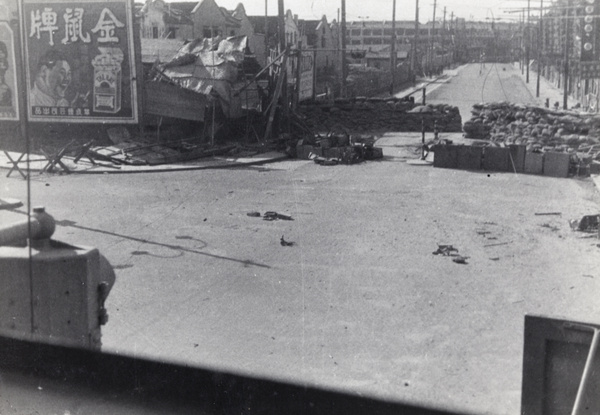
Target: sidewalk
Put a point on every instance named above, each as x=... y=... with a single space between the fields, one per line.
x=547 y=90
x=430 y=84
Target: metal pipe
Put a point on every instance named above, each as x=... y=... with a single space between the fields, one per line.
x=40 y=226
x=586 y=373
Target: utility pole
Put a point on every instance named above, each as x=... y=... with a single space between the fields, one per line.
x=344 y=68
x=527 y=46
x=393 y=49
x=432 y=35
x=444 y=33
x=539 y=46
x=566 y=58
x=416 y=41
x=266 y=32
x=283 y=48
x=521 y=30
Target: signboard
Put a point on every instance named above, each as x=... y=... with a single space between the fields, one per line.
x=9 y=105
x=168 y=100
x=80 y=61
x=590 y=70
x=307 y=66
x=588 y=30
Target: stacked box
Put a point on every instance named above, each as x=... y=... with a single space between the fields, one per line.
x=534 y=163
x=496 y=159
x=517 y=154
x=556 y=164
x=445 y=156
x=374 y=153
x=469 y=157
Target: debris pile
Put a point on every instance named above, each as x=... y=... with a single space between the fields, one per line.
x=377 y=114
x=588 y=223
x=337 y=148
x=551 y=134
x=141 y=153
x=504 y=122
x=449 y=250
x=270 y=216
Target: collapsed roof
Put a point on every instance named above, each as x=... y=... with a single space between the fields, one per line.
x=211 y=67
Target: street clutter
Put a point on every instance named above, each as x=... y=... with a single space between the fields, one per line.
x=270 y=216
x=363 y=114
x=449 y=250
x=526 y=139
x=337 y=148
x=588 y=223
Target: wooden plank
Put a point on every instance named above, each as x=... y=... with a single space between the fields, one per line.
x=168 y=100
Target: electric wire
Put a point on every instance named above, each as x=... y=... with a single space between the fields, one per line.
x=501 y=83
x=485 y=80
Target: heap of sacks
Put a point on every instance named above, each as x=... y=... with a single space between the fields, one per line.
x=367 y=115
x=507 y=123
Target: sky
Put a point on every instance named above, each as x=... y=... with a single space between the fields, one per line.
x=382 y=9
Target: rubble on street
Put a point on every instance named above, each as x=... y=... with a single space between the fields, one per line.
x=527 y=139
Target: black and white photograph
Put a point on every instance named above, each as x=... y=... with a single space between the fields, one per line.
x=328 y=207
x=9 y=107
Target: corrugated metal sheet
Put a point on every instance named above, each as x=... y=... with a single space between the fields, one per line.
x=209 y=67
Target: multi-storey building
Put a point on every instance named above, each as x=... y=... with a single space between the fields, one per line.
x=570 y=49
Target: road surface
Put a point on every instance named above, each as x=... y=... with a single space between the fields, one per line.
x=359 y=303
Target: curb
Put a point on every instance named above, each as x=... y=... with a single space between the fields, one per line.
x=170 y=168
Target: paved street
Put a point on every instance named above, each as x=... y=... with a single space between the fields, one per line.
x=358 y=303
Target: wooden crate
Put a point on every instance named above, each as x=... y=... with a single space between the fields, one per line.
x=496 y=159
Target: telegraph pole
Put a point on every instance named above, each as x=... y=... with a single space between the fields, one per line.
x=432 y=37
x=266 y=33
x=393 y=49
x=566 y=58
x=283 y=49
x=522 y=31
x=444 y=35
x=539 y=45
x=527 y=46
x=416 y=41
x=344 y=68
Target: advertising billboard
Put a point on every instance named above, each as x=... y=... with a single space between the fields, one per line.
x=9 y=105
x=80 y=61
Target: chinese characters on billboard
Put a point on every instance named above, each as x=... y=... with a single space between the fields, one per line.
x=9 y=106
x=80 y=61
